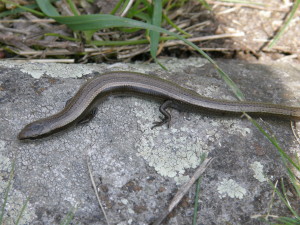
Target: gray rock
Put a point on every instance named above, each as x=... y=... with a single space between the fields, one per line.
x=137 y=170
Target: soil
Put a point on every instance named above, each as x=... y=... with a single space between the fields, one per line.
x=223 y=29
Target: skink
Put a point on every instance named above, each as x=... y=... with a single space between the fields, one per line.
x=173 y=95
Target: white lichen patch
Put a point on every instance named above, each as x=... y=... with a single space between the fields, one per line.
x=171 y=151
x=257 y=168
x=56 y=70
x=244 y=131
x=124 y=201
x=182 y=179
x=178 y=65
x=37 y=70
x=131 y=211
x=231 y=189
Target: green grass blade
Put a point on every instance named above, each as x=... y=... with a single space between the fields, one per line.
x=139 y=6
x=205 y=4
x=11 y=175
x=281 y=196
x=202 y=158
x=285 y=24
x=21 y=9
x=126 y=2
x=22 y=211
x=24 y=8
x=175 y=26
x=230 y=82
x=67 y=220
x=156 y=21
x=142 y=16
x=196 y=201
x=273 y=140
x=47 y=8
x=73 y=8
x=294 y=180
x=287 y=220
x=283 y=190
x=17 y=10
x=116 y=8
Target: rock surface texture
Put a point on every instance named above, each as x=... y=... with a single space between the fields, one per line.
x=138 y=170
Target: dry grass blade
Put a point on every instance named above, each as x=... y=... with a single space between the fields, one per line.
x=285 y=24
x=183 y=190
x=204 y=38
x=96 y=192
x=13 y=30
x=45 y=60
x=295 y=130
x=258 y=6
x=127 y=8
